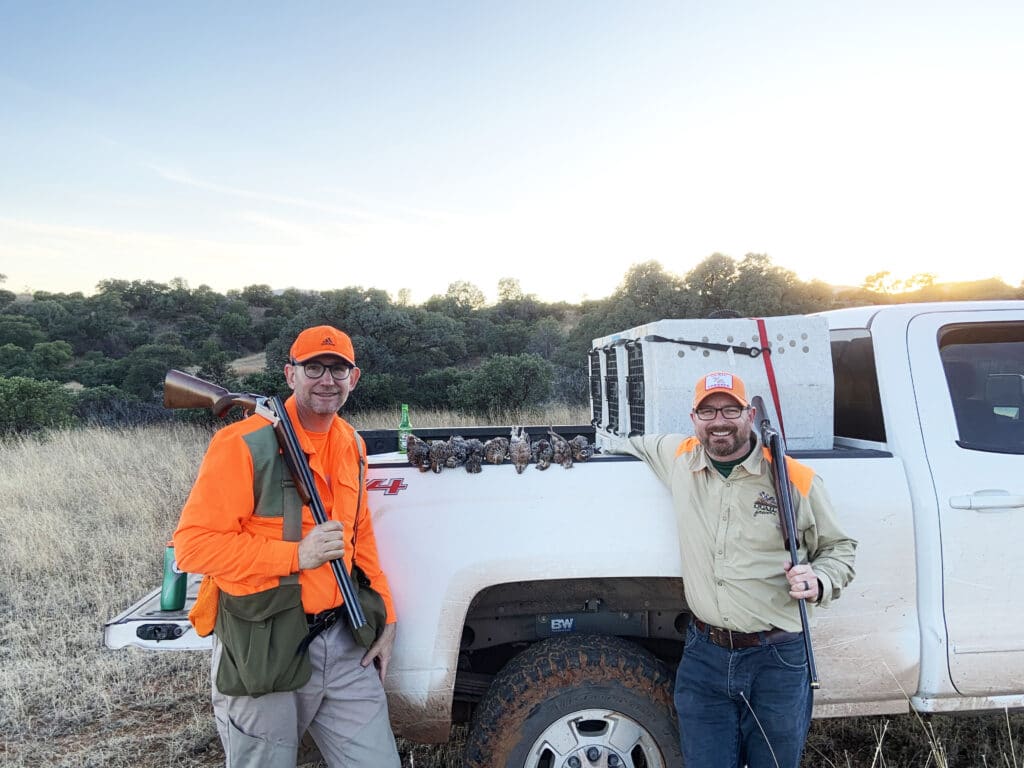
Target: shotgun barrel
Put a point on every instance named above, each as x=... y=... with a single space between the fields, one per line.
x=787 y=518
x=305 y=483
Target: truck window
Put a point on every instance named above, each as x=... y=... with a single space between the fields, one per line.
x=858 y=407
x=984 y=366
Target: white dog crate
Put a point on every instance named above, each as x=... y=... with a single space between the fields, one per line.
x=642 y=380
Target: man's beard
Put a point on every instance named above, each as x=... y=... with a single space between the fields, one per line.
x=719 y=449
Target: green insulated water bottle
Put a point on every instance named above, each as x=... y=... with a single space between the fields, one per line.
x=404 y=428
x=172 y=593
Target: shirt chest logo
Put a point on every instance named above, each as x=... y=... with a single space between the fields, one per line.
x=766 y=504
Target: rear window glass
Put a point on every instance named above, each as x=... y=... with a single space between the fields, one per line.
x=858 y=408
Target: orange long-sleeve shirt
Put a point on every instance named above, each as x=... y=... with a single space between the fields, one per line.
x=219 y=536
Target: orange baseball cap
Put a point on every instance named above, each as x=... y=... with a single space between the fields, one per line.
x=323 y=340
x=720 y=381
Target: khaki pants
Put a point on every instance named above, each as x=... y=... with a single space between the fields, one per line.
x=343 y=707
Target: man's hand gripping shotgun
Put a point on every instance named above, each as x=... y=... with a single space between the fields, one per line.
x=182 y=390
x=776 y=446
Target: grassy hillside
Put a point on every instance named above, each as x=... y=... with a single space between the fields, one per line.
x=85 y=515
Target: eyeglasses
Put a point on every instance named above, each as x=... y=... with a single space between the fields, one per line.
x=314 y=370
x=707 y=413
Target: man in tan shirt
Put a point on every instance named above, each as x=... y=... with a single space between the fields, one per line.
x=743 y=692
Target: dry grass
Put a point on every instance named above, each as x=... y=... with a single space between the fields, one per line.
x=85 y=515
x=438 y=417
x=249 y=364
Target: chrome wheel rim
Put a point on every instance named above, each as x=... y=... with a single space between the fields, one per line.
x=617 y=741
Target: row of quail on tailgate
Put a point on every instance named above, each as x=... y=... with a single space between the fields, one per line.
x=436 y=455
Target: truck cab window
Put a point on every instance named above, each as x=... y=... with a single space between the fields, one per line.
x=984 y=366
x=858 y=407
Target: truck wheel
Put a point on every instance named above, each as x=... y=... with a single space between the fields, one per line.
x=586 y=700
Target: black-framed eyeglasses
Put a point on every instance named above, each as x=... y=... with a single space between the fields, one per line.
x=314 y=370
x=707 y=413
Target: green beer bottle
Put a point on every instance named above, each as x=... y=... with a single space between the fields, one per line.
x=404 y=428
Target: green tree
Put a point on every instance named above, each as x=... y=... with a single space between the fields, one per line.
x=27 y=405
x=236 y=331
x=266 y=383
x=378 y=391
x=13 y=360
x=505 y=382
x=94 y=369
x=213 y=366
x=49 y=359
x=103 y=325
x=465 y=295
x=918 y=281
x=509 y=289
x=651 y=290
x=879 y=282
x=546 y=339
x=439 y=388
x=146 y=367
x=51 y=314
x=258 y=295
x=23 y=331
x=761 y=289
x=6 y=297
x=195 y=330
x=711 y=282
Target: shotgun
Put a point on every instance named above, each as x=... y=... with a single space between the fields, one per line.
x=182 y=390
x=776 y=446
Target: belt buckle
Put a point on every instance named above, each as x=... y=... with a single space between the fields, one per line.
x=722 y=637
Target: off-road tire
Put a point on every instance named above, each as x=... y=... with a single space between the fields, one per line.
x=555 y=680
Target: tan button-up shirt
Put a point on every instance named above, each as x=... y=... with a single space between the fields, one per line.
x=730 y=540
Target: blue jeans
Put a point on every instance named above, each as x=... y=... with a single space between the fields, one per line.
x=745 y=707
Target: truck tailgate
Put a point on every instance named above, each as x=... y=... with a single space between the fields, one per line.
x=144 y=625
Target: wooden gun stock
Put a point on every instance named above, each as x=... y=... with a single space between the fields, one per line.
x=182 y=390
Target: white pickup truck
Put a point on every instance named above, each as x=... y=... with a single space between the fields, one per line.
x=547 y=607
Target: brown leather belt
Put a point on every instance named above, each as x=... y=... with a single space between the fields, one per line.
x=726 y=638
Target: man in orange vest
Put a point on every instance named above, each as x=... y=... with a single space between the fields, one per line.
x=743 y=691
x=268 y=576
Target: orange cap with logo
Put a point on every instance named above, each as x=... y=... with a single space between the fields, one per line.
x=323 y=340
x=720 y=381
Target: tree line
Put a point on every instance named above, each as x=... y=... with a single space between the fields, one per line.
x=68 y=358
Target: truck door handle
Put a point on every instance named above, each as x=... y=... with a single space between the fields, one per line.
x=986 y=500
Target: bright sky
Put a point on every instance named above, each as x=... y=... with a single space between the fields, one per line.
x=409 y=145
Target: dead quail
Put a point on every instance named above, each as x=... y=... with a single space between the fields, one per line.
x=542 y=453
x=474 y=455
x=519 y=449
x=563 y=452
x=418 y=453
x=439 y=453
x=581 y=448
x=459 y=452
x=496 y=450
